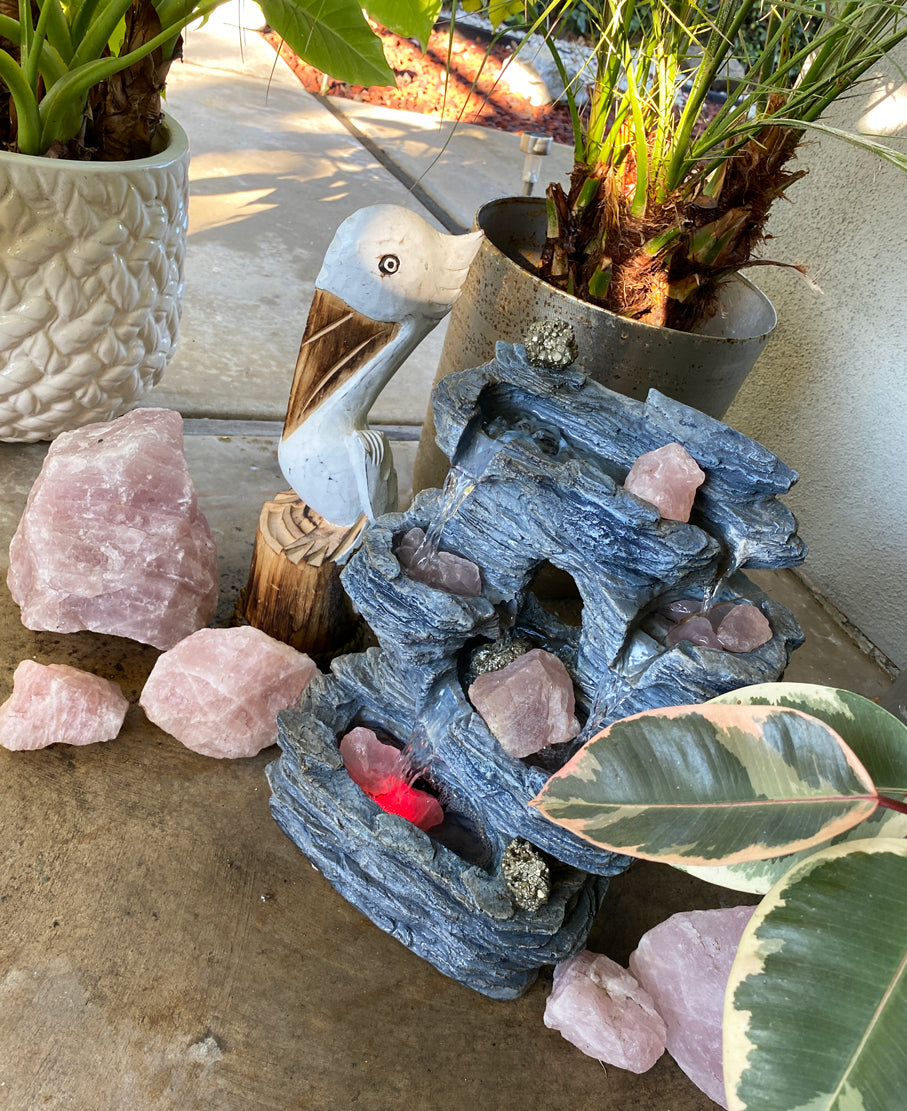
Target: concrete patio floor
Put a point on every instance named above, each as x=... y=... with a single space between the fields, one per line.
x=163 y=946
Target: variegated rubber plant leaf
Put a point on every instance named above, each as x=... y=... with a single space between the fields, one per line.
x=879 y=740
x=711 y=784
x=816 y=1004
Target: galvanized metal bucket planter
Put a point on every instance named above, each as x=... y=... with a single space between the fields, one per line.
x=503 y=295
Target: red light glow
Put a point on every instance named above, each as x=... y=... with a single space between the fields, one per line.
x=418 y=807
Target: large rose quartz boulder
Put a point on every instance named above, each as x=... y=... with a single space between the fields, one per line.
x=667 y=478
x=684 y=964
x=602 y=1009
x=219 y=690
x=528 y=704
x=112 y=538
x=56 y=703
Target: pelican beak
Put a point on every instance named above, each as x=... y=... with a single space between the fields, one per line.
x=336 y=342
x=460 y=250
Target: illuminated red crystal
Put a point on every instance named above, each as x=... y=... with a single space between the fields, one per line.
x=379 y=769
x=668 y=478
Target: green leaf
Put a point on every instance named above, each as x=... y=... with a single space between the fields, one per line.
x=816 y=1004
x=710 y=785
x=333 y=36
x=413 y=19
x=879 y=741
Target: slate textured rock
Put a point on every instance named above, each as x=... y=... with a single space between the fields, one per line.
x=56 y=703
x=112 y=538
x=549 y=451
x=602 y=1009
x=219 y=690
x=684 y=964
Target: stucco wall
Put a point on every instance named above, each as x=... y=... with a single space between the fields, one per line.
x=829 y=394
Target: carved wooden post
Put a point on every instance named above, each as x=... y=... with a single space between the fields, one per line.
x=387 y=279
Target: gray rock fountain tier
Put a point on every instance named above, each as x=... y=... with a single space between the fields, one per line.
x=543 y=455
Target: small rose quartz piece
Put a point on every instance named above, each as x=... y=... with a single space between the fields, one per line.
x=696 y=630
x=378 y=769
x=684 y=964
x=528 y=704
x=744 y=628
x=219 y=690
x=603 y=1010
x=445 y=571
x=56 y=703
x=112 y=538
x=668 y=478
x=375 y=766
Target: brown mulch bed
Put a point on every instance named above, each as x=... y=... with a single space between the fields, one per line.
x=468 y=90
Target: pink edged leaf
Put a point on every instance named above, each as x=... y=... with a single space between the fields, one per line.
x=711 y=784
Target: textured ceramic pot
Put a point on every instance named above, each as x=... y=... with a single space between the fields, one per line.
x=91 y=284
x=502 y=296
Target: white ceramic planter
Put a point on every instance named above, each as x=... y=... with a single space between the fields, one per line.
x=91 y=284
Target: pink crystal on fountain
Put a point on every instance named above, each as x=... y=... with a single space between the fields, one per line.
x=372 y=764
x=744 y=628
x=112 y=538
x=441 y=570
x=604 y=1011
x=379 y=770
x=668 y=478
x=684 y=964
x=219 y=690
x=54 y=703
x=696 y=630
x=528 y=704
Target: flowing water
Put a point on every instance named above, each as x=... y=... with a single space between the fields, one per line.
x=736 y=557
x=435 y=716
x=457 y=488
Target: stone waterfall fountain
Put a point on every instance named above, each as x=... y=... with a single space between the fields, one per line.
x=546 y=453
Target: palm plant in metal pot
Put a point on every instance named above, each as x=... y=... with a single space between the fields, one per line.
x=667 y=198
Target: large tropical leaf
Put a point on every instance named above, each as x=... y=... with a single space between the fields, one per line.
x=333 y=36
x=877 y=738
x=413 y=19
x=816 y=1005
x=710 y=784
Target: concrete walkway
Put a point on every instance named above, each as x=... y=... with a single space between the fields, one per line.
x=163 y=946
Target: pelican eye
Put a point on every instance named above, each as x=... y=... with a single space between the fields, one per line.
x=388 y=264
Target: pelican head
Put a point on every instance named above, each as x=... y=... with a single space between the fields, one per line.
x=388 y=263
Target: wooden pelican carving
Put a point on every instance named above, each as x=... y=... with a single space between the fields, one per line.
x=388 y=277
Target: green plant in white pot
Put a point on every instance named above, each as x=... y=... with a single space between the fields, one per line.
x=799 y=792
x=94 y=189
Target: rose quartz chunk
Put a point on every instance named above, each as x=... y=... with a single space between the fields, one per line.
x=378 y=769
x=445 y=571
x=602 y=1009
x=112 y=538
x=54 y=703
x=744 y=628
x=528 y=704
x=668 y=478
x=372 y=764
x=696 y=630
x=684 y=964
x=219 y=690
